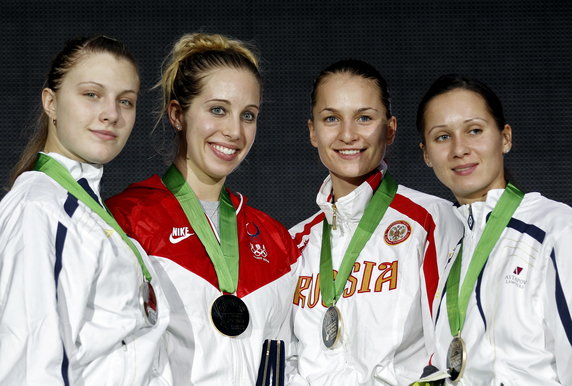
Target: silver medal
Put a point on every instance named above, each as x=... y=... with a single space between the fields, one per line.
x=148 y=302
x=456 y=358
x=331 y=327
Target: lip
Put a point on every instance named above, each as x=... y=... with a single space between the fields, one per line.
x=465 y=169
x=105 y=135
x=349 y=154
x=224 y=153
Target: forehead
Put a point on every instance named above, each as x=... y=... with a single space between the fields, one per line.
x=105 y=69
x=458 y=101
x=225 y=81
x=345 y=87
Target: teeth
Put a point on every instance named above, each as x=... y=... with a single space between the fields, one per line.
x=225 y=150
x=349 y=152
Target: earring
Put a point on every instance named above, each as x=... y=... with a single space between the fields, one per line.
x=55 y=122
x=178 y=127
x=506 y=151
x=429 y=164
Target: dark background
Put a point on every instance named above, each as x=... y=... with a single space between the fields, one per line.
x=522 y=49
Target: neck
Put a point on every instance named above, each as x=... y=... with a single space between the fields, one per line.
x=205 y=188
x=342 y=186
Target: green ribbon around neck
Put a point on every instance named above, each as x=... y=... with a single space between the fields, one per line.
x=62 y=176
x=331 y=286
x=498 y=220
x=225 y=255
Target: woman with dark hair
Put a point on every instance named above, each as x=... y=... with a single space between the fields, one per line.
x=372 y=256
x=79 y=300
x=504 y=312
x=227 y=268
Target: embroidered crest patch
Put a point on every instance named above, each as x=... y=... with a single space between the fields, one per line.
x=397 y=232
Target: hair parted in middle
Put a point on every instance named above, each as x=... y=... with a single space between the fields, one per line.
x=193 y=56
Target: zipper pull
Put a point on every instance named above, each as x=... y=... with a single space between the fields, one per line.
x=470 y=220
x=334 y=217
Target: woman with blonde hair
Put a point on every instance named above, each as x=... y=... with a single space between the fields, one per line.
x=227 y=267
x=79 y=300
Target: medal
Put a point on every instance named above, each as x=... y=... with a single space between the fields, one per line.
x=332 y=285
x=458 y=294
x=331 y=327
x=456 y=358
x=62 y=176
x=229 y=315
x=148 y=302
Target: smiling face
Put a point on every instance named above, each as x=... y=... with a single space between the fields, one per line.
x=350 y=129
x=93 y=110
x=464 y=145
x=219 y=125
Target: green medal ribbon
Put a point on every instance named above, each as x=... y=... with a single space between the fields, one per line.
x=62 y=176
x=373 y=214
x=225 y=255
x=498 y=220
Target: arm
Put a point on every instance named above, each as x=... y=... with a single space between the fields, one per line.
x=30 y=345
x=559 y=303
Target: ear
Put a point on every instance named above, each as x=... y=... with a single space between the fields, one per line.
x=425 y=155
x=391 y=130
x=176 y=115
x=313 y=139
x=506 y=138
x=49 y=102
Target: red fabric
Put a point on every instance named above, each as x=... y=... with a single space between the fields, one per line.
x=148 y=212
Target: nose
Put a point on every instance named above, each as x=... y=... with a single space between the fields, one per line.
x=347 y=132
x=460 y=147
x=110 y=113
x=232 y=128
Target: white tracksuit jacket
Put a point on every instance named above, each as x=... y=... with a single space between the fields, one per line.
x=69 y=292
x=518 y=328
x=386 y=305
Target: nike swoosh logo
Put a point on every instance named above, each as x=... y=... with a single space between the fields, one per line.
x=175 y=240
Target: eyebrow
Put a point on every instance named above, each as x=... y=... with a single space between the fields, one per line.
x=360 y=110
x=465 y=121
x=102 y=86
x=228 y=102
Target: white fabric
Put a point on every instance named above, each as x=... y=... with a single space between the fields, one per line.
x=524 y=341
x=383 y=331
x=92 y=315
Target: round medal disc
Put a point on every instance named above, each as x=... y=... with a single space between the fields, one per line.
x=229 y=315
x=148 y=302
x=331 y=327
x=456 y=358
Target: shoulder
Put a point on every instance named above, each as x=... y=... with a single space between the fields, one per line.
x=551 y=216
x=301 y=231
x=420 y=206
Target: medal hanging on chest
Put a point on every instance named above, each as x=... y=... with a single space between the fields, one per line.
x=55 y=170
x=332 y=285
x=457 y=301
x=229 y=314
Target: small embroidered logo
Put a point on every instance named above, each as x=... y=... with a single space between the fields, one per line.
x=517 y=271
x=259 y=252
x=179 y=234
x=397 y=232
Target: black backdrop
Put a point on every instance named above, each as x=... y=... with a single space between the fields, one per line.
x=521 y=48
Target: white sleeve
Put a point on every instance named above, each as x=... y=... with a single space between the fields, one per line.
x=30 y=345
x=559 y=304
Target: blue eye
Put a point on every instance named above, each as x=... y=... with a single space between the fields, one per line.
x=249 y=116
x=364 y=118
x=475 y=130
x=330 y=119
x=442 y=137
x=90 y=94
x=217 y=110
x=126 y=102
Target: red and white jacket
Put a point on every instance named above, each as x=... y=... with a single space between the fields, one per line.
x=198 y=353
x=387 y=302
